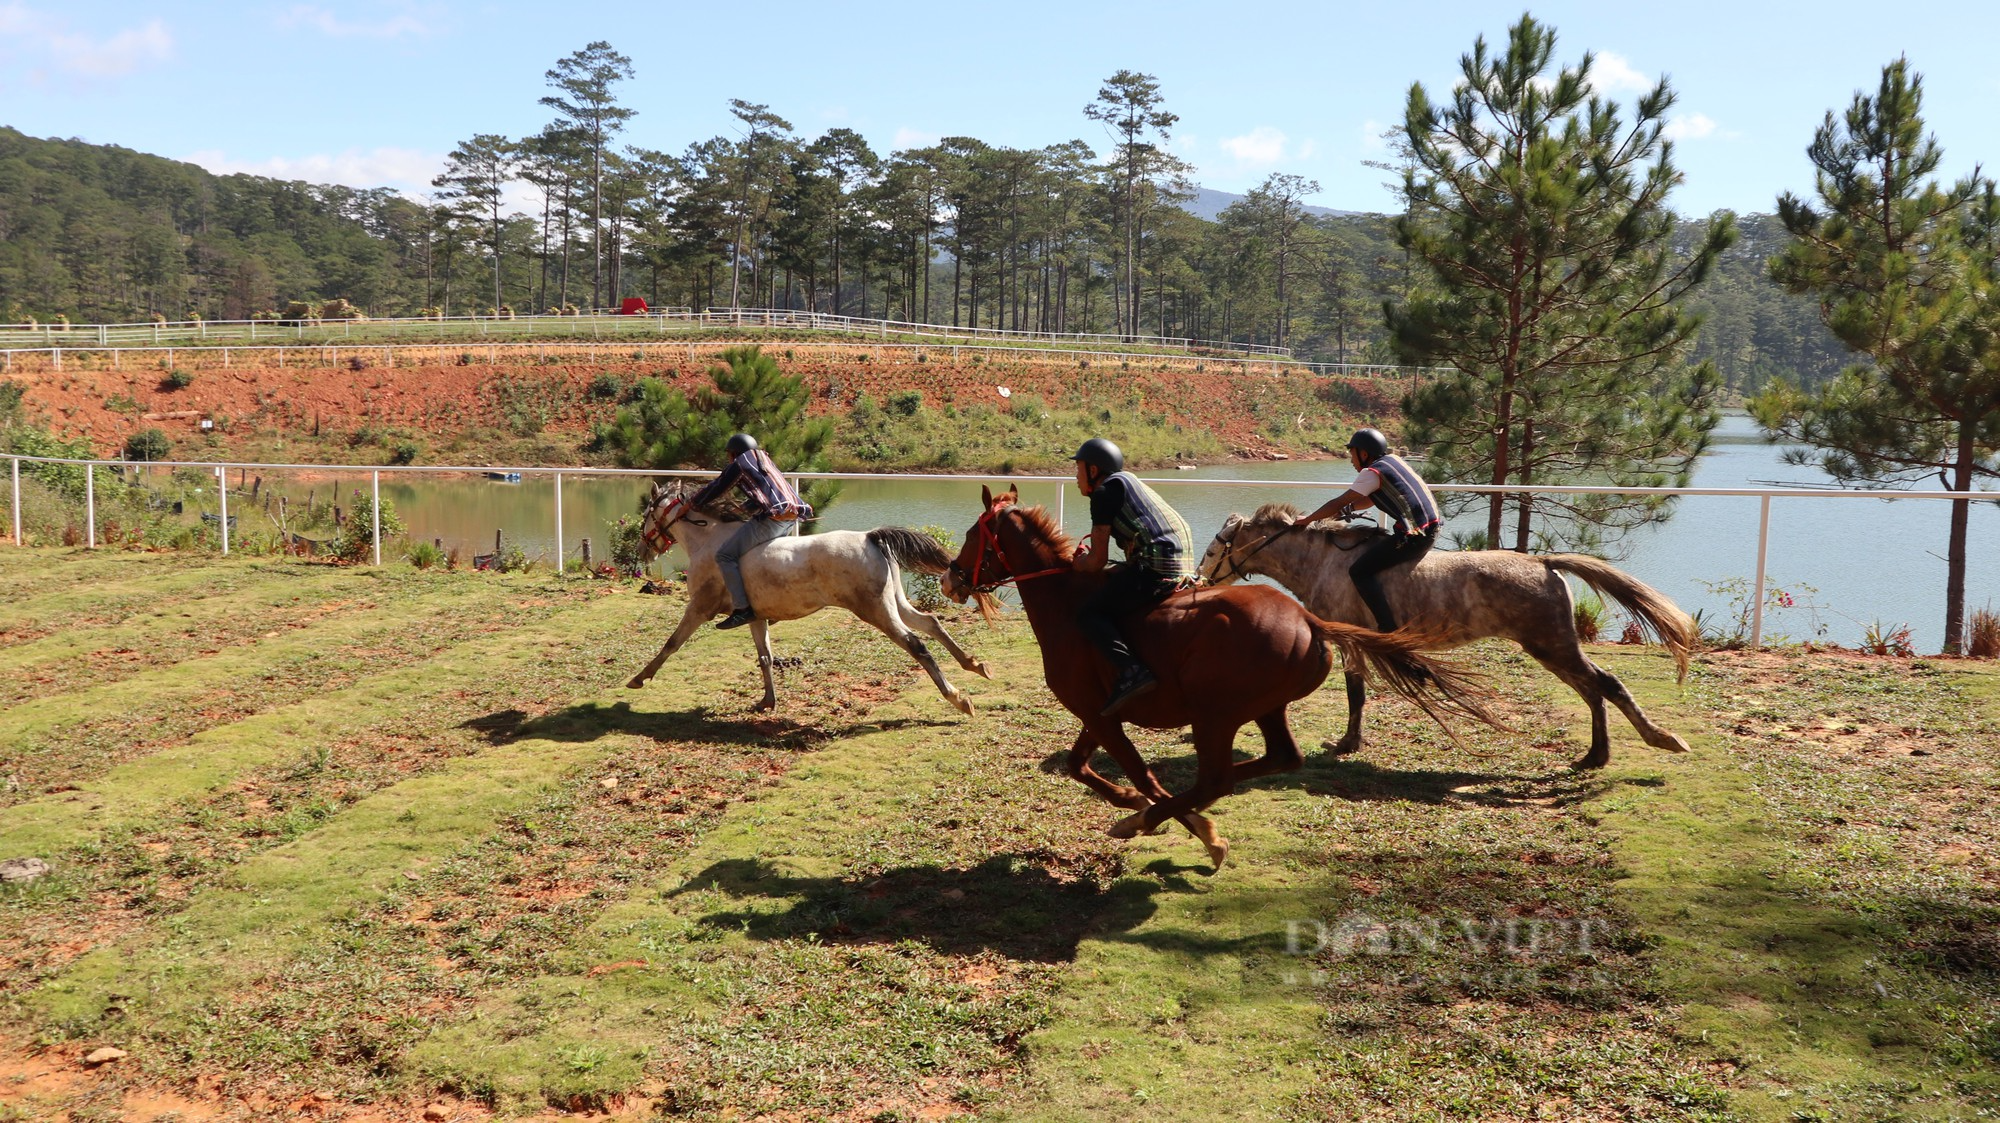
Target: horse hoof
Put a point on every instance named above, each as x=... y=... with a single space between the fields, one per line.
x=635 y=684
x=979 y=668
x=1342 y=747
x=1672 y=743
x=1128 y=827
x=1591 y=761
x=1218 y=851
x=765 y=706
x=964 y=705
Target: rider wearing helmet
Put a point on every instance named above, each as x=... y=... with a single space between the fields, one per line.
x=1158 y=556
x=1388 y=482
x=774 y=508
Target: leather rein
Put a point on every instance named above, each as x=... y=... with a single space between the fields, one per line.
x=989 y=540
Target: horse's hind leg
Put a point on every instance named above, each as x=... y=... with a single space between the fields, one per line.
x=1622 y=698
x=1595 y=684
x=1281 y=750
x=760 y=633
x=884 y=617
x=917 y=619
x=1111 y=734
x=1213 y=780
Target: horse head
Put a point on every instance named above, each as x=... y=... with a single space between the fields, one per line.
x=669 y=517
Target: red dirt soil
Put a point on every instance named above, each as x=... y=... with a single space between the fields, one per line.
x=437 y=396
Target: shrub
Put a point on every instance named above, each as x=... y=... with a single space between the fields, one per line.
x=298 y=310
x=354 y=542
x=905 y=403
x=626 y=545
x=1589 y=616
x=512 y=559
x=178 y=379
x=1984 y=642
x=606 y=386
x=465 y=358
x=426 y=555
x=339 y=309
x=356 y=362
x=405 y=451
x=1882 y=639
x=926 y=592
x=1027 y=408
x=148 y=444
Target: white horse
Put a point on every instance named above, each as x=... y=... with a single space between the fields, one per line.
x=789 y=578
x=1455 y=597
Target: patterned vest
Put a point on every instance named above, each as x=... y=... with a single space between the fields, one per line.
x=1152 y=534
x=1404 y=494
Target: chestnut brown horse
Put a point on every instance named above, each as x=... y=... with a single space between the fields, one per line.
x=1224 y=656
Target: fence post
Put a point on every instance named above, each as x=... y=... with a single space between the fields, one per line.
x=1763 y=544
x=90 y=505
x=375 y=514
x=17 y=502
x=559 y=526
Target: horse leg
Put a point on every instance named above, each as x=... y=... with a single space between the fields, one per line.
x=1567 y=662
x=1357 y=697
x=1078 y=768
x=1111 y=734
x=691 y=618
x=1212 y=782
x=760 y=634
x=919 y=620
x=882 y=615
x=1281 y=750
x=1622 y=698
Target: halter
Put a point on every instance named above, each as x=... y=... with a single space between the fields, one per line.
x=1229 y=547
x=989 y=539
x=660 y=520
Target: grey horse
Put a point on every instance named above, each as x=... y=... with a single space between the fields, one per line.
x=797 y=576
x=1456 y=597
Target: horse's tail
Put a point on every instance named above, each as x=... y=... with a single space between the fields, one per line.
x=1655 y=613
x=911 y=549
x=1436 y=685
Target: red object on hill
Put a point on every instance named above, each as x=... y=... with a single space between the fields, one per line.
x=633 y=306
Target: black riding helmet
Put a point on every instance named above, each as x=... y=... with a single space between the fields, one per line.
x=1102 y=455
x=1370 y=443
x=740 y=444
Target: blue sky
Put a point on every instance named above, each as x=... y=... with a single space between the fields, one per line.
x=374 y=92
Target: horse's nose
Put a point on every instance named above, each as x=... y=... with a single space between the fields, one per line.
x=950 y=587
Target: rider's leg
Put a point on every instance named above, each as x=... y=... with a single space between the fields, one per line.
x=1377 y=556
x=1127 y=588
x=729 y=559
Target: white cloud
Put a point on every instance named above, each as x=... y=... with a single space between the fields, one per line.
x=47 y=43
x=1371 y=136
x=1307 y=149
x=1262 y=145
x=907 y=137
x=1612 y=74
x=327 y=23
x=1691 y=126
x=405 y=169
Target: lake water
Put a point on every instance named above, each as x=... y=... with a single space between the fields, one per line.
x=1870 y=560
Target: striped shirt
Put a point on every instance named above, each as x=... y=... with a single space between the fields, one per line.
x=1152 y=534
x=765 y=489
x=1397 y=489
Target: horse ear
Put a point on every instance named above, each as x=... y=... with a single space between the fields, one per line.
x=1015 y=491
x=985 y=497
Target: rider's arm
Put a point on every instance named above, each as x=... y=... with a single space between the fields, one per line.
x=1097 y=549
x=1349 y=500
x=719 y=486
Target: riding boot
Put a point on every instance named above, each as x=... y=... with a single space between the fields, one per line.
x=1134 y=679
x=1378 y=603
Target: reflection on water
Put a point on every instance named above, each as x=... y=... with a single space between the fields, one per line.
x=1869 y=559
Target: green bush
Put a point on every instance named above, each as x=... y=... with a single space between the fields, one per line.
x=426 y=555
x=405 y=451
x=606 y=387
x=354 y=542
x=906 y=403
x=926 y=592
x=178 y=379
x=626 y=545
x=148 y=444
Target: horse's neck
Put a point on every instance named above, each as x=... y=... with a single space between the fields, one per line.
x=1045 y=598
x=1302 y=562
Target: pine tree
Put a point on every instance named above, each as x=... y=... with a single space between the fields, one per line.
x=665 y=428
x=1538 y=217
x=1906 y=272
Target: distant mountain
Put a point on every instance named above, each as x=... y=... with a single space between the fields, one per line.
x=1209 y=203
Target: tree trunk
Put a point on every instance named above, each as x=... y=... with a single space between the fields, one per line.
x=1527 y=501
x=1954 y=565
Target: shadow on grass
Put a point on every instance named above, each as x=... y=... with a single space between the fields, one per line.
x=590 y=721
x=1361 y=781
x=1007 y=905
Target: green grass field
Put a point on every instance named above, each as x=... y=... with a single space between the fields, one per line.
x=347 y=842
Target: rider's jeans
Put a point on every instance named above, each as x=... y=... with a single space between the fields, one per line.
x=729 y=558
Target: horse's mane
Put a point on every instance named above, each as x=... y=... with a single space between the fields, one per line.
x=1044 y=526
x=1329 y=531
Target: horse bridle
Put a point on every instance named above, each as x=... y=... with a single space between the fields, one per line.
x=989 y=539
x=660 y=521
x=1229 y=550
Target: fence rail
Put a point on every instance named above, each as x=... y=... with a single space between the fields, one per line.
x=220 y=468
x=596 y=325
x=330 y=352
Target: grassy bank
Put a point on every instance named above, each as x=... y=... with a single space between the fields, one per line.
x=352 y=841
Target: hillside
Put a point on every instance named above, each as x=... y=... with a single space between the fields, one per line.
x=99 y=233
